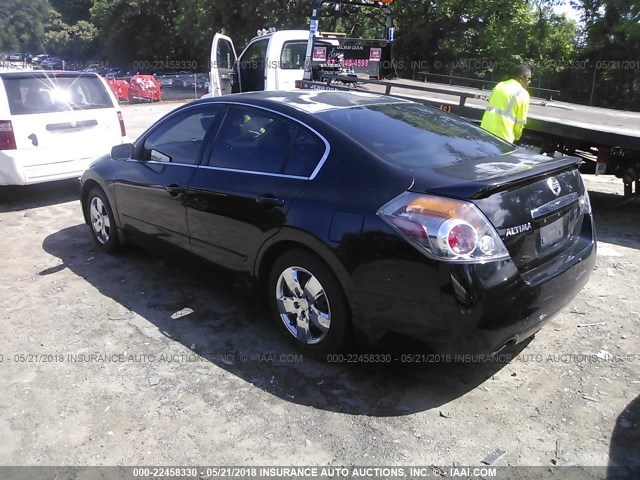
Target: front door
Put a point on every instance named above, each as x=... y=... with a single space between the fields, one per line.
x=223 y=58
x=150 y=189
x=252 y=66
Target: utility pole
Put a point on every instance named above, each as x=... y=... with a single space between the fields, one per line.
x=593 y=86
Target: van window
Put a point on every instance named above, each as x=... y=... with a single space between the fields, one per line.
x=30 y=94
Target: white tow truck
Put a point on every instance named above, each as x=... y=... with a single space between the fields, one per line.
x=271 y=61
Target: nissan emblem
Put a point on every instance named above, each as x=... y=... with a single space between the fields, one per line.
x=554 y=186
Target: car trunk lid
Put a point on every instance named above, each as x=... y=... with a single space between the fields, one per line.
x=536 y=204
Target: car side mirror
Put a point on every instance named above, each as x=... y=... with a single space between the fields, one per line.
x=122 y=152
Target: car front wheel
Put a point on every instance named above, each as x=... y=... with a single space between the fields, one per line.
x=102 y=222
x=308 y=303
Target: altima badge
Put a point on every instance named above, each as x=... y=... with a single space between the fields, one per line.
x=554 y=185
x=519 y=229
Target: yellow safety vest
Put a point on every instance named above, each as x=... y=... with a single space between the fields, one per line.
x=506 y=113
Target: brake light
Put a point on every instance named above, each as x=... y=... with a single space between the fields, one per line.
x=7 y=137
x=585 y=203
x=444 y=229
x=461 y=238
x=123 y=130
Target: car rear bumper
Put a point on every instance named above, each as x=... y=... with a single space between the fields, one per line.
x=466 y=309
x=19 y=169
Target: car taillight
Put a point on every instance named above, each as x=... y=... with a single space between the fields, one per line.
x=585 y=203
x=444 y=229
x=123 y=131
x=7 y=138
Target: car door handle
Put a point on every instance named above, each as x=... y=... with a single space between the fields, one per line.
x=174 y=190
x=270 y=201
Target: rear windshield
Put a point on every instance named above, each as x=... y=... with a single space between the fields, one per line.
x=413 y=135
x=46 y=94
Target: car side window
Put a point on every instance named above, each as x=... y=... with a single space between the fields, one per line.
x=293 y=55
x=180 y=139
x=253 y=140
x=224 y=55
x=306 y=153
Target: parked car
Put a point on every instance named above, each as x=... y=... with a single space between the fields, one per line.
x=145 y=88
x=165 y=78
x=54 y=124
x=38 y=59
x=186 y=79
x=16 y=57
x=53 y=63
x=355 y=214
x=119 y=87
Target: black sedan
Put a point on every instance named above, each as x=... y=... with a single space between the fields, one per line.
x=357 y=215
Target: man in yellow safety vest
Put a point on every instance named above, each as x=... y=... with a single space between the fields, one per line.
x=506 y=114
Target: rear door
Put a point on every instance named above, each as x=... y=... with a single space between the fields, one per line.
x=62 y=117
x=240 y=197
x=223 y=58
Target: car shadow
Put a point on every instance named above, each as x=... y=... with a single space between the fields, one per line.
x=616 y=219
x=16 y=198
x=624 y=449
x=231 y=328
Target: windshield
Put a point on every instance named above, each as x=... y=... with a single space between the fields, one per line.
x=46 y=94
x=415 y=136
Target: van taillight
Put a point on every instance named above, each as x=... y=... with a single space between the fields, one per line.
x=123 y=131
x=7 y=138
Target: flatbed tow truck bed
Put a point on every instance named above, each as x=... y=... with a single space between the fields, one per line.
x=561 y=119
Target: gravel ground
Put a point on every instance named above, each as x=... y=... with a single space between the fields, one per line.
x=95 y=371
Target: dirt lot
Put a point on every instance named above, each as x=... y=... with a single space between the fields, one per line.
x=94 y=371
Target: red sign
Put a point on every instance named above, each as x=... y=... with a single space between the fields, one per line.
x=375 y=54
x=319 y=54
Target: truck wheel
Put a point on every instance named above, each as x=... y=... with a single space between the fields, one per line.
x=102 y=222
x=308 y=304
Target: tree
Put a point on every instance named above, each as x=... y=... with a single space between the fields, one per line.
x=136 y=30
x=612 y=48
x=22 y=24
x=75 y=41
x=72 y=11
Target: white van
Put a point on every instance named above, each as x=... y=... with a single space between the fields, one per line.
x=54 y=124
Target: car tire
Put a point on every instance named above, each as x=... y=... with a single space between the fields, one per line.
x=308 y=304
x=102 y=221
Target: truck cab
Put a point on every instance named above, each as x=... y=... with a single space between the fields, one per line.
x=271 y=61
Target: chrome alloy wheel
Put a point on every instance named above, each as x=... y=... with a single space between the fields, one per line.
x=303 y=305
x=100 y=221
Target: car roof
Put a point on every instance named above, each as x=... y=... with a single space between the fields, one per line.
x=311 y=101
x=56 y=73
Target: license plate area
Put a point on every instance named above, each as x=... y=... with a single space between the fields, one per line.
x=553 y=233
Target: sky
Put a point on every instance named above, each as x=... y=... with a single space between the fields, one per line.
x=569 y=11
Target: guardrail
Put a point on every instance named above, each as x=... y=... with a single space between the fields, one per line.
x=347 y=81
x=541 y=92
